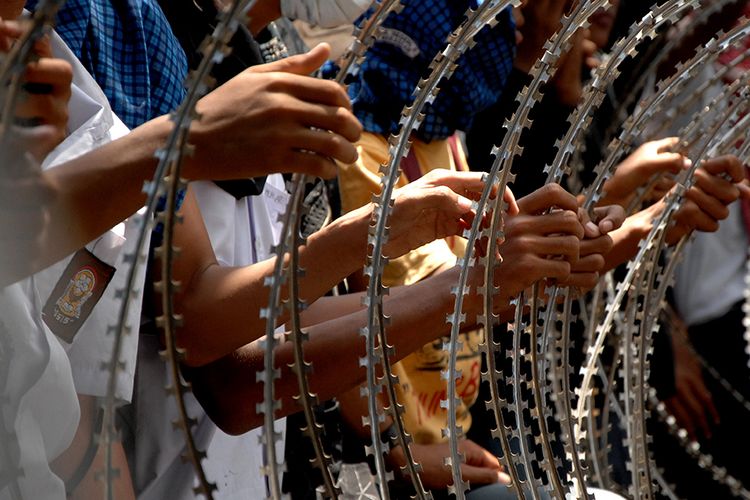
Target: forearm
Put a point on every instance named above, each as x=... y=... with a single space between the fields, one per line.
x=229 y=300
x=227 y=389
x=326 y=308
x=115 y=173
x=89 y=195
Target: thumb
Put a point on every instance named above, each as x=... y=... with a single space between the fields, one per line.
x=510 y=199
x=43 y=47
x=301 y=64
x=666 y=145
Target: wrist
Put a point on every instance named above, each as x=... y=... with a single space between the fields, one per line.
x=349 y=236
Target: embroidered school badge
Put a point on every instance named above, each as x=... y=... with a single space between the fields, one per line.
x=76 y=293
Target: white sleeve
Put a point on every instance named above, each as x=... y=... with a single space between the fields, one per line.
x=324 y=13
x=92 y=124
x=92 y=346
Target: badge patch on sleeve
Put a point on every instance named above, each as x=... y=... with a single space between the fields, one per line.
x=76 y=293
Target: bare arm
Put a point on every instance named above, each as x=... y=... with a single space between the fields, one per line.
x=227 y=390
x=718 y=183
x=268 y=109
x=229 y=398
x=228 y=300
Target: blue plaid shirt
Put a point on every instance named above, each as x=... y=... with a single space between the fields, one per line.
x=388 y=76
x=129 y=49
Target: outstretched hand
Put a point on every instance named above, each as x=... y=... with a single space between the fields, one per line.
x=480 y=466
x=274 y=118
x=653 y=159
x=437 y=205
x=595 y=245
x=541 y=242
x=719 y=182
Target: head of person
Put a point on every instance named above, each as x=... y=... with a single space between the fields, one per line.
x=602 y=22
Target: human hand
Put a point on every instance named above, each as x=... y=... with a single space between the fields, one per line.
x=45 y=91
x=539 y=243
x=691 y=404
x=479 y=467
x=435 y=206
x=652 y=159
x=596 y=244
x=591 y=56
x=539 y=20
x=273 y=118
x=567 y=80
x=718 y=183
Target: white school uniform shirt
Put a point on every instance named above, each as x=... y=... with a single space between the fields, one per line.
x=241 y=233
x=40 y=411
x=710 y=278
x=92 y=124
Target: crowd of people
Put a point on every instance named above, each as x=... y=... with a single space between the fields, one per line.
x=85 y=134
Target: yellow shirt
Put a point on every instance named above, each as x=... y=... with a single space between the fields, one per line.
x=421 y=387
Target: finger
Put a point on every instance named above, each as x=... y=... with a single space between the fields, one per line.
x=529 y=269
x=692 y=217
x=592 y=62
x=665 y=145
x=560 y=222
x=310 y=164
x=510 y=199
x=601 y=245
x=708 y=204
x=547 y=197
x=54 y=72
x=744 y=188
x=581 y=280
x=448 y=201
x=665 y=183
x=705 y=398
x=565 y=247
x=589 y=47
x=681 y=415
x=465 y=183
x=725 y=165
x=9 y=32
x=588 y=264
x=42 y=47
x=717 y=186
x=487 y=459
x=329 y=118
x=480 y=475
x=609 y=218
x=590 y=230
x=42 y=110
x=302 y=64
x=696 y=411
x=324 y=143
x=312 y=90
x=669 y=162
